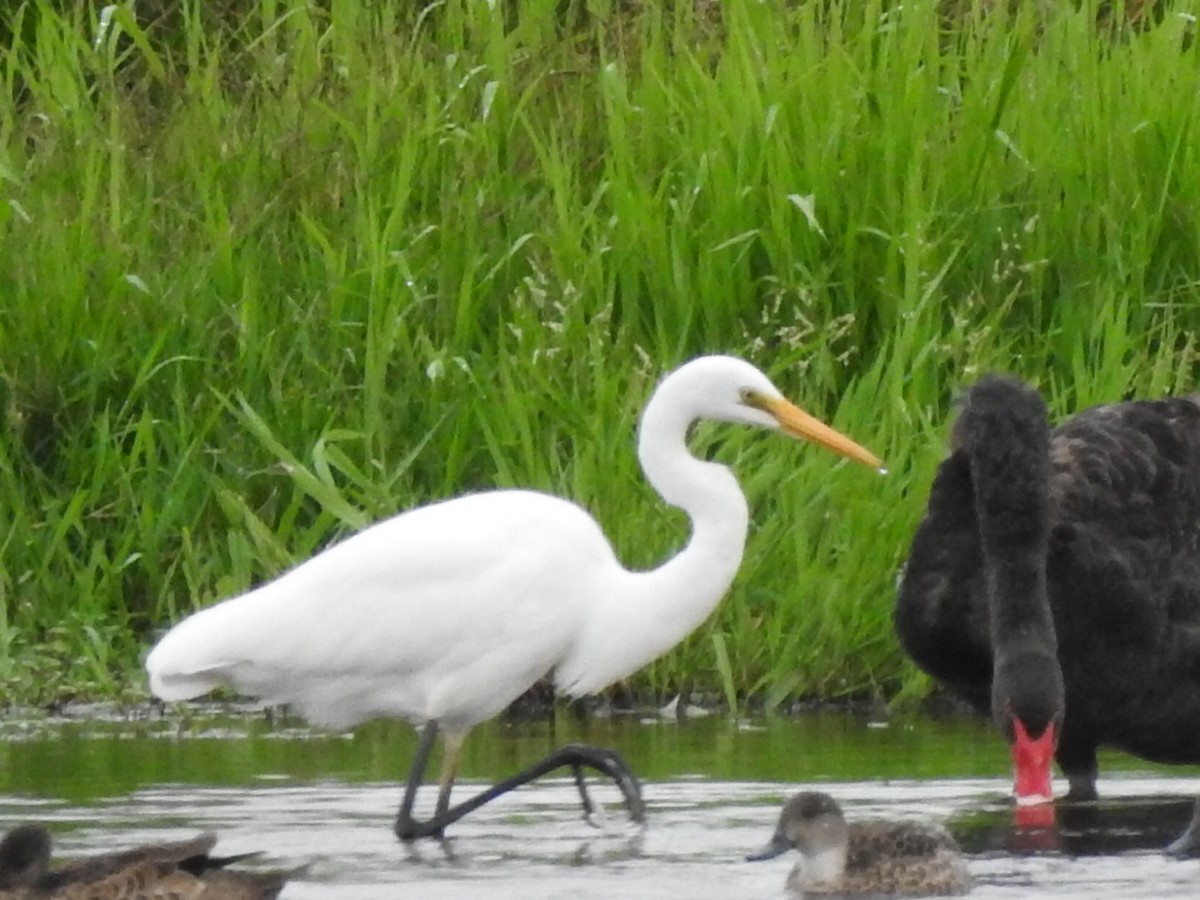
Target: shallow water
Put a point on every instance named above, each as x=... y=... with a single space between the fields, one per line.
x=712 y=787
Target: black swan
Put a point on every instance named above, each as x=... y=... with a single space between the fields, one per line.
x=1055 y=580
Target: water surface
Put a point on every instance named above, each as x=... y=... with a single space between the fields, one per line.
x=712 y=786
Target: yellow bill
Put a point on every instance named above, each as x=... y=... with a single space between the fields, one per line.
x=796 y=422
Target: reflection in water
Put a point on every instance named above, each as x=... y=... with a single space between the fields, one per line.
x=329 y=800
x=82 y=759
x=1100 y=828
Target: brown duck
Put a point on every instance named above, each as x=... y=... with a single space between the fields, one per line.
x=175 y=871
x=901 y=859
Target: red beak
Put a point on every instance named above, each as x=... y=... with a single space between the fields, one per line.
x=1031 y=761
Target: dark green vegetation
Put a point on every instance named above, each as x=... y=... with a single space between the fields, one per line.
x=273 y=270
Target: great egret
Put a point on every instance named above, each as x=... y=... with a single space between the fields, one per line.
x=182 y=869
x=1055 y=580
x=445 y=614
x=871 y=859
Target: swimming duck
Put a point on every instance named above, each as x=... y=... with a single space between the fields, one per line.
x=901 y=859
x=181 y=871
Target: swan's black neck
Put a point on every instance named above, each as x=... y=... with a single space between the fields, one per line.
x=1003 y=432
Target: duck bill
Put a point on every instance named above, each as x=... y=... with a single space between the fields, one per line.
x=799 y=424
x=1032 y=758
x=777 y=845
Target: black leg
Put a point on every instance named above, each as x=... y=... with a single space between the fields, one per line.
x=575 y=756
x=581 y=786
x=1081 y=788
x=407 y=828
x=1081 y=769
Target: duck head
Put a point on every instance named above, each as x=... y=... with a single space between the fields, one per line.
x=811 y=822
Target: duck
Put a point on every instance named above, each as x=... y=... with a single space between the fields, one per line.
x=185 y=870
x=859 y=859
x=1054 y=580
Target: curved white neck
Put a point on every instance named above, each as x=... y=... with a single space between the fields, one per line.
x=652 y=611
x=699 y=575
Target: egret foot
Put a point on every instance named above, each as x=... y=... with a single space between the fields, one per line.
x=610 y=763
x=575 y=756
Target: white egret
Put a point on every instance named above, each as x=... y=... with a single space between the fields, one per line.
x=445 y=614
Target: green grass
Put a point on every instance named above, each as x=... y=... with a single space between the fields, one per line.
x=272 y=271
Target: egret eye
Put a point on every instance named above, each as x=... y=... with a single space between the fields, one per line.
x=751 y=397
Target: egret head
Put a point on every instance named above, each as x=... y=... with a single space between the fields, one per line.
x=728 y=389
x=811 y=822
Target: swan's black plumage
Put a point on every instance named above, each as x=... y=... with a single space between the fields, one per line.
x=1075 y=551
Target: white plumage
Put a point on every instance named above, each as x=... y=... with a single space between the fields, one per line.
x=447 y=613
x=339 y=638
